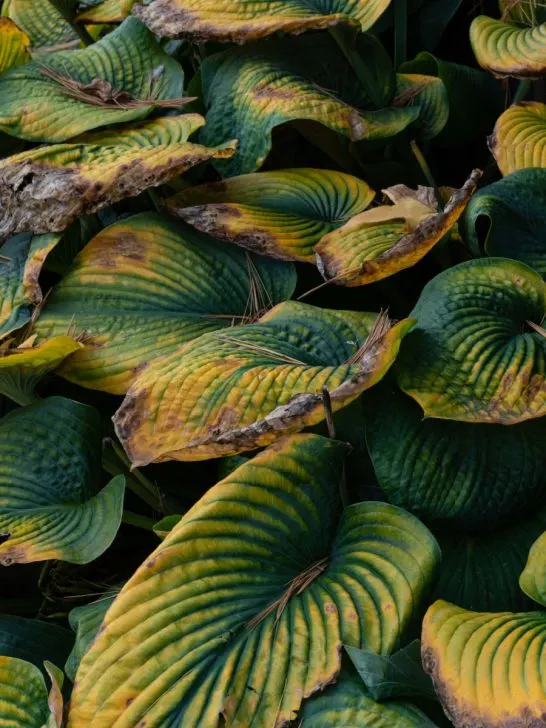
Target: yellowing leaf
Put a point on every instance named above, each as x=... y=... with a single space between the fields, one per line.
x=429 y=95
x=145 y=286
x=258 y=586
x=488 y=668
x=519 y=138
x=108 y=11
x=384 y=240
x=47 y=188
x=281 y=214
x=228 y=392
x=508 y=49
x=533 y=577
x=43 y=23
x=243 y=20
x=14 y=45
x=23 y=695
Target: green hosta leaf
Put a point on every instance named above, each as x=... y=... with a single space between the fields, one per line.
x=243 y=20
x=482 y=571
x=34 y=640
x=230 y=392
x=24 y=700
x=514 y=210
x=47 y=188
x=86 y=622
x=393 y=676
x=107 y=11
x=37 y=107
x=474 y=355
x=507 y=49
x=44 y=24
x=257 y=587
x=50 y=503
x=21 y=261
x=144 y=287
x=251 y=90
x=462 y=475
x=14 y=45
x=533 y=578
x=281 y=214
x=488 y=669
x=384 y=240
x=429 y=95
x=519 y=138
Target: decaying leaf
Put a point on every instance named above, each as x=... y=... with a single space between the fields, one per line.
x=14 y=45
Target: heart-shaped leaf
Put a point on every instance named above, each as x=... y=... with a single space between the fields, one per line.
x=239 y=21
x=24 y=698
x=249 y=91
x=45 y=189
x=519 y=138
x=508 y=49
x=108 y=11
x=14 y=45
x=228 y=392
x=250 y=597
x=477 y=353
x=281 y=214
x=71 y=92
x=488 y=669
x=145 y=286
x=43 y=23
x=514 y=209
x=533 y=577
x=384 y=240
x=50 y=503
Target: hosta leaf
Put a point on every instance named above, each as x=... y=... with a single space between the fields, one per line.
x=488 y=669
x=514 y=210
x=251 y=90
x=37 y=107
x=507 y=49
x=107 y=11
x=21 y=261
x=225 y=393
x=481 y=571
x=429 y=95
x=50 y=503
x=533 y=578
x=145 y=286
x=250 y=597
x=21 y=369
x=24 y=696
x=14 y=45
x=459 y=474
x=384 y=240
x=34 y=640
x=243 y=20
x=281 y=214
x=474 y=355
x=519 y=138
x=526 y=12
x=348 y=704
x=44 y=24
x=47 y=188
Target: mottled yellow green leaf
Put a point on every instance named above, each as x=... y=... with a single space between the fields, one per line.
x=241 y=612
x=107 y=11
x=243 y=20
x=14 y=45
x=519 y=138
x=43 y=23
x=384 y=240
x=508 y=49
x=533 y=577
x=429 y=95
x=23 y=695
x=282 y=214
x=488 y=668
x=47 y=188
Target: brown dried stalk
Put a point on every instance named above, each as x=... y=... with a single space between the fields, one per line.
x=379 y=329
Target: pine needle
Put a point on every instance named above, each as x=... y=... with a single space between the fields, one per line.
x=537 y=328
x=379 y=329
x=262 y=350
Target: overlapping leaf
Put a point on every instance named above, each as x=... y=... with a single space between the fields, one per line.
x=50 y=503
x=533 y=577
x=24 y=698
x=488 y=668
x=286 y=586
x=242 y=20
x=145 y=286
x=429 y=94
x=384 y=240
x=34 y=640
x=225 y=393
x=57 y=97
x=14 y=45
x=281 y=214
x=508 y=49
x=47 y=188
x=519 y=138
x=44 y=24
x=476 y=354
x=107 y=11
x=249 y=91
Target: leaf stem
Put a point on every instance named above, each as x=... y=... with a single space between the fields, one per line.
x=80 y=30
x=425 y=169
x=360 y=69
x=135 y=519
x=522 y=91
x=400 y=32
x=136 y=481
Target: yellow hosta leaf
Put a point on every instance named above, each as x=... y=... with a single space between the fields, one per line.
x=508 y=49
x=533 y=577
x=384 y=240
x=24 y=700
x=14 y=45
x=47 y=188
x=519 y=138
x=243 y=20
x=108 y=11
x=228 y=392
x=43 y=23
